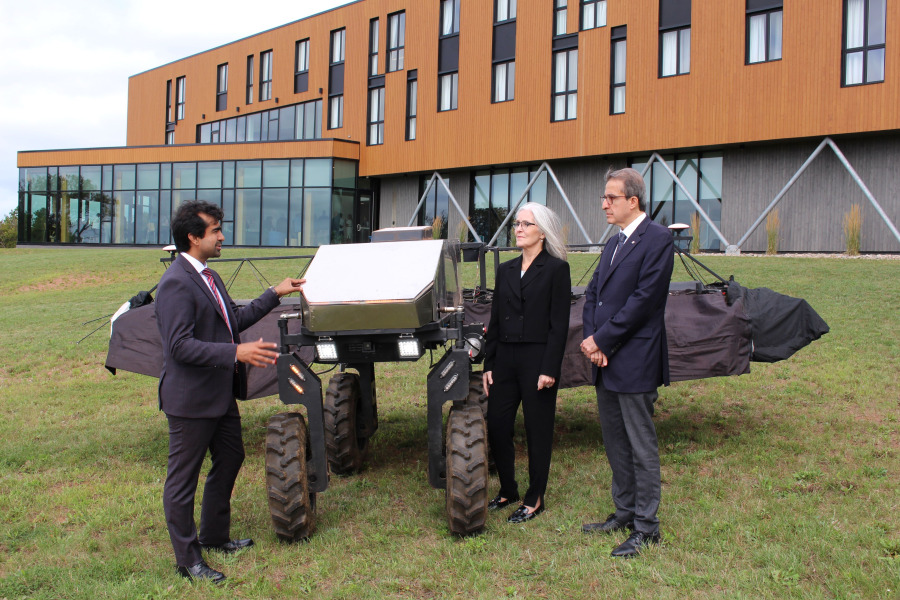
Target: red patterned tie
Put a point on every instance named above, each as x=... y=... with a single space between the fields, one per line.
x=212 y=284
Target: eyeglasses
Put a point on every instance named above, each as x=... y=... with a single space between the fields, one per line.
x=610 y=198
x=522 y=224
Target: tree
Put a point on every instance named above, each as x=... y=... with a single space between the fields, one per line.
x=9 y=229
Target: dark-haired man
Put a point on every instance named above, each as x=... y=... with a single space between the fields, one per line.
x=625 y=339
x=203 y=371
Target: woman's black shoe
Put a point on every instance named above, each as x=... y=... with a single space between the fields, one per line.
x=521 y=514
x=500 y=502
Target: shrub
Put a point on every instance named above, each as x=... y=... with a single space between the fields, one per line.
x=9 y=229
x=853 y=230
x=773 y=229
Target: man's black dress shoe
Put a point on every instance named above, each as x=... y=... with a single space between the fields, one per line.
x=635 y=543
x=229 y=547
x=521 y=514
x=499 y=502
x=201 y=571
x=608 y=526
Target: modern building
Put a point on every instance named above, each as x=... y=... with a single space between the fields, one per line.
x=325 y=128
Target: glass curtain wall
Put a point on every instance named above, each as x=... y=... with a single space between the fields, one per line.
x=285 y=202
x=701 y=174
x=496 y=192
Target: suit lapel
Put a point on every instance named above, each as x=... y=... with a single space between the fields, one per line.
x=197 y=278
x=630 y=244
x=533 y=270
x=514 y=280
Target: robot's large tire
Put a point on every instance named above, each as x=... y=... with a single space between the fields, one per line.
x=476 y=392
x=292 y=506
x=467 y=471
x=345 y=448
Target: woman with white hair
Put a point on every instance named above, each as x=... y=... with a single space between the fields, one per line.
x=525 y=341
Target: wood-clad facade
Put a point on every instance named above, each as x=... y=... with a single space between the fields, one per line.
x=722 y=109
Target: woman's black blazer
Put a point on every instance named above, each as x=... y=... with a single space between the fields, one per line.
x=533 y=308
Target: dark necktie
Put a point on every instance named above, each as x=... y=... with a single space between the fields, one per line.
x=619 y=245
x=212 y=284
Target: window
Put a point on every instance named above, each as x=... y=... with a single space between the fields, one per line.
x=764 y=19
x=376 y=116
x=412 y=89
x=250 y=79
x=222 y=87
x=506 y=10
x=301 y=69
x=503 y=73
x=701 y=175
x=864 y=41
x=448 y=92
x=495 y=192
x=436 y=205
x=565 y=85
x=169 y=118
x=179 y=99
x=448 y=56
x=449 y=17
x=593 y=14
x=337 y=46
x=396 y=41
x=336 y=80
x=617 y=71
x=560 y=14
x=674 y=37
x=295 y=122
x=265 y=75
x=373 y=47
x=505 y=81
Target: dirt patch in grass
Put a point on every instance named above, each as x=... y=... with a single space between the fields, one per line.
x=67 y=282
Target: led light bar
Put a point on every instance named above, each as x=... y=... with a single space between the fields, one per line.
x=327 y=350
x=409 y=347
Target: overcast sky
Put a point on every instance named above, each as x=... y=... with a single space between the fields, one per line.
x=65 y=63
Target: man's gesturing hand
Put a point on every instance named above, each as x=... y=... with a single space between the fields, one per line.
x=258 y=353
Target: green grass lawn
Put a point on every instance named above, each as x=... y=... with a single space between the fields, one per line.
x=778 y=484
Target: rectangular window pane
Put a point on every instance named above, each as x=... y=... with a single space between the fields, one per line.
x=876 y=23
x=775 y=19
x=619 y=73
x=669 y=53
x=757 y=39
x=560 y=79
x=875 y=65
x=573 y=70
x=209 y=175
x=684 y=59
x=619 y=100
x=854 y=68
x=855 y=23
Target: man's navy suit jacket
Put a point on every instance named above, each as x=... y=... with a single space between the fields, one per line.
x=624 y=310
x=200 y=378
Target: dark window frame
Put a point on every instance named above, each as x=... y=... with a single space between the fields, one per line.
x=222 y=87
x=454 y=25
x=337 y=40
x=265 y=75
x=595 y=4
x=396 y=53
x=412 y=106
x=560 y=12
x=864 y=49
x=374 y=31
x=180 y=91
x=375 y=120
x=768 y=13
x=301 y=66
x=618 y=35
x=568 y=91
x=509 y=84
x=250 y=80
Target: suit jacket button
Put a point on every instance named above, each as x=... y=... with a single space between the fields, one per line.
x=599 y=304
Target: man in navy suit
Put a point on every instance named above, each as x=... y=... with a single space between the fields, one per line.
x=625 y=339
x=203 y=371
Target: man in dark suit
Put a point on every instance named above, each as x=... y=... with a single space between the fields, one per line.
x=625 y=339
x=203 y=371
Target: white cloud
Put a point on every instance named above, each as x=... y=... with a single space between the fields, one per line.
x=64 y=75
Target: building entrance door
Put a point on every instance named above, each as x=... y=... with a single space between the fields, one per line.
x=363 y=216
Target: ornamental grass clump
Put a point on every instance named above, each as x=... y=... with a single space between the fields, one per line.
x=853 y=230
x=695 y=233
x=773 y=229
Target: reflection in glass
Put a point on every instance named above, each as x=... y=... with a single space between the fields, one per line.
x=276 y=173
x=316 y=217
x=275 y=217
x=184 y=176
x=247 y=205
x=209 y=175
x=318 y=172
